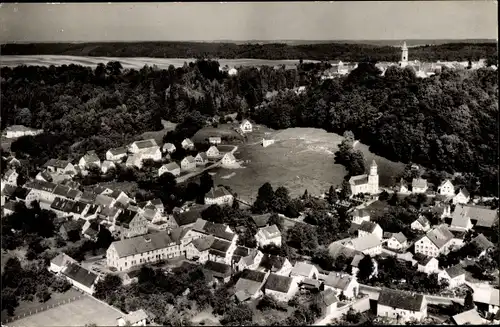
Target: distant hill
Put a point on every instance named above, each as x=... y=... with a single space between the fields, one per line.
x=338 y=50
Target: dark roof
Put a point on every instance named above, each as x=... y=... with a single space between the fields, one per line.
x=73 y=225
x=21 y=193
x=58 y=204
x=328 y=297
x=41 y=185
x=188 y=217
x=46 y=176
x=278 y=283
x=217 y=269
x=455 y=271
x=92 y=209
x=217 y=192
x=482 y=242
x=241 y=251
x=61 y=190
x=261 y=220
x=220 y=245
x=80 y=274
x=8 y=190
x=10 y=205
x=272 y=262
x=217 y=230
x=125 y=217
x=254 y=275
x=400 y=299
x=88 y=197
x=56 y=163
x=422 y=259
x=367 y=226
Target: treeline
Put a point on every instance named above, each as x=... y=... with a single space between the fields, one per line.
x=273 y=51
x=448 y=122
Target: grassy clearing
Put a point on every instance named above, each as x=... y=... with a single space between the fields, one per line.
x=301 y=158
x=78 y=313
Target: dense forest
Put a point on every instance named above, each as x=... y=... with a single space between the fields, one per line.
x=448 y=122
x=321 y=51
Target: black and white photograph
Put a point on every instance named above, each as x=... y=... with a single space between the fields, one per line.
x=249 y=163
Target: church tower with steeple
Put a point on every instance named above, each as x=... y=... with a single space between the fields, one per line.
x=404 y=56
x=373 y=178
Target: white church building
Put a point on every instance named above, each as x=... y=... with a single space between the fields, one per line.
x=365 y=183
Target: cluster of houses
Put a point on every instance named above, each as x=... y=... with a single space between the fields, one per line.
x=446 y=190
x=16 y=131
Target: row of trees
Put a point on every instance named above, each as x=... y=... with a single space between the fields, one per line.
x=276 y=51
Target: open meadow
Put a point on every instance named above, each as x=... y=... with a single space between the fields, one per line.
x=77 y=313
x=301 y=158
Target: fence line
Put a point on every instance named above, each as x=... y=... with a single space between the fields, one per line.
x=43 y=308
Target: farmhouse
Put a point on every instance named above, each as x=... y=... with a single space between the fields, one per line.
x=90 y=159
x=59 y=166
x=365 y=183
x=152 y=153
x=246 y=126
x=245 y=258
x=80 y=277
x=482 y=243
x=369 y=244
x=187 y=144
x=460 y=221
x=20 y=130
x=446 y=188
x=328 y=302
x=10 y=177
x=369 y=227
x=228 y=159
x=221 y=251
x=283 y=288
x=60 y=262
x=462 y=197
x=143 y=146
x=131 y=224
x=487 y=299
x=220 y=196
x=172 y=168
x=342 y=284
x=218 y=271
x=116 y=154
x=469 y=317
x=268 y=235
x=303 y=270
x=107 y=165
x=419 y=185
x=134 y=318
x=213 y=152
x=436 y=241
x=41 y=191
x=203 y=228
x=401 y=305
x=261 y=220
x=134 y=160
x=168 y=148
x=197 y=249
x=140 y=250
x=425 y=264
x=455 y=276
x=481 y=216
x=397 y=241
x=249 y=285
x=201 y=159
x=360 y=215
x=421 y=224
x=188 y=163
x=275 y=264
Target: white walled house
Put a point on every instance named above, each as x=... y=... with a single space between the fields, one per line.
x=107 y=165
x=435 y=242
x=134 y=318
x=198 y=248
x=275 y=264
x=134 y=160
x=369 y=227
x=446 y=188
x=329 y=302
x=40 y=191
x=15 y=131
x=419 y=185
x=188 y=163
x=60 y=262
x=249 y=285
x=421 y=224
x=397 y=241
x=201 y=159
x=171 y=167
x=460 y=221
x=88 y=160
x=455 y=276
x=215 y=140
x=462 y=197
x=137 y=251
x=80 y=277
x=401 y=305
x=360 y=215
x=342 y=283
x=268 y=235
x=303 y=270
x=10 y=177
x=116 y=154
x=246 y=126
x=487 y=299
x=428 y=265
x=187 y=144
x=219 y=195
x=266 y=143
x=228 y=159
x=369 y=244
x=282 y=288
x=59 y=166
x=143 y=146
x=212 y=152
x=152 y=153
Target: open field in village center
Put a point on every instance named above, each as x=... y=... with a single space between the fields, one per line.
x=77 y=313
x=301 y=158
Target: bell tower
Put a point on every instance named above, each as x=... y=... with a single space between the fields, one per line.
x=373 y=178
x=404 y=55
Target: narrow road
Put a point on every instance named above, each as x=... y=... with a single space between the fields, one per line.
x=199 y=172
